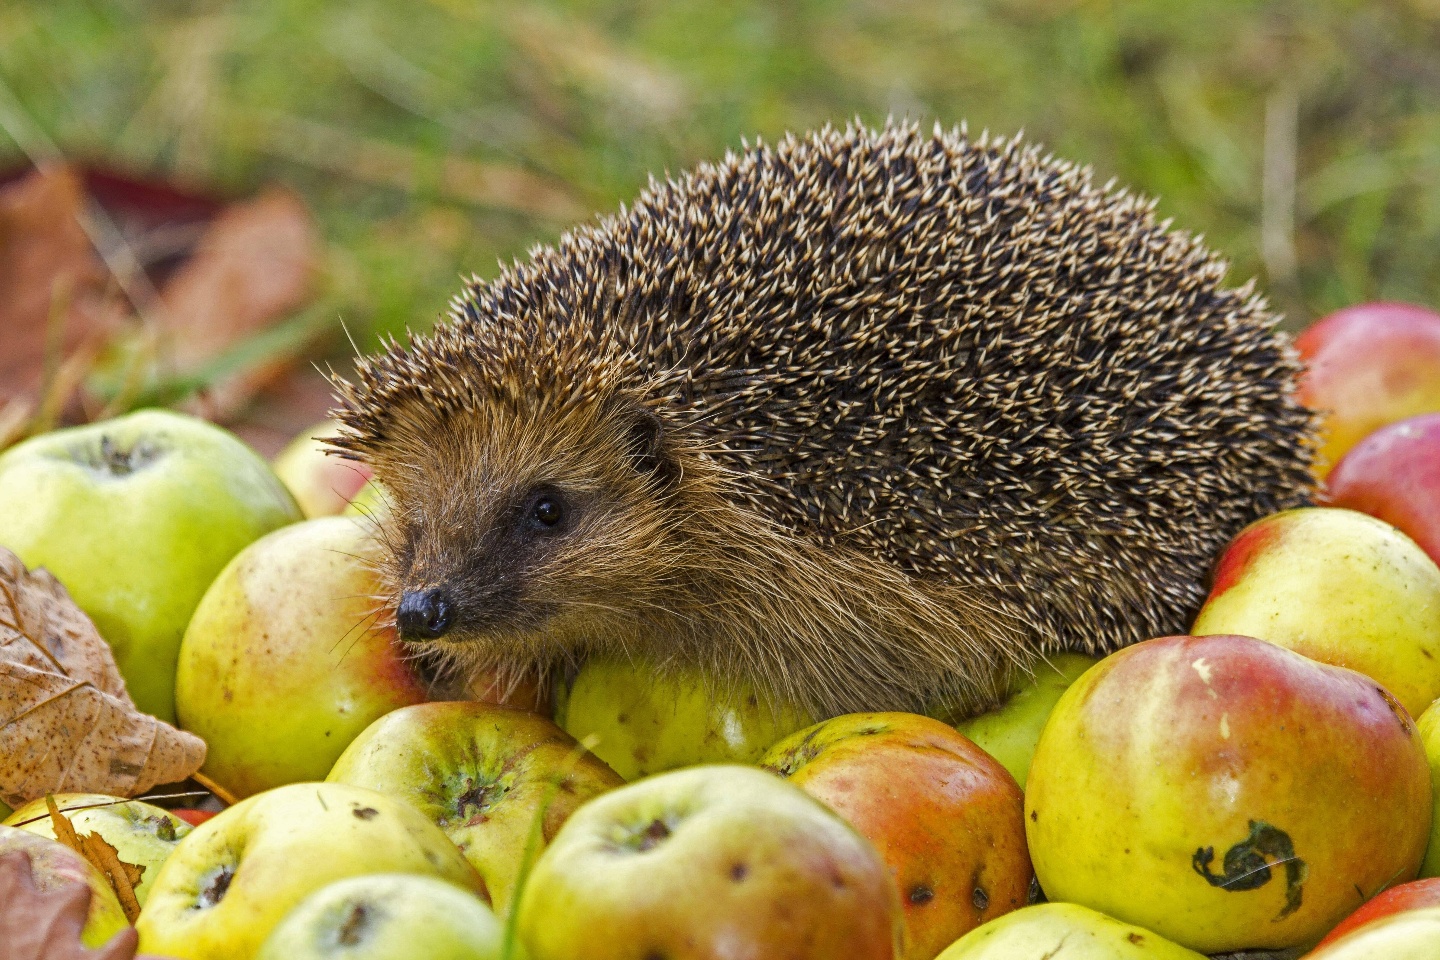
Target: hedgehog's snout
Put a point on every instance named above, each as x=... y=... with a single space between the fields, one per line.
x=424 y=614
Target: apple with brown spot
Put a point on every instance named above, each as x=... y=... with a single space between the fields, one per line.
x=1369 y=365
x=709 y=863
x=483 y=774
x=945 y=816
x=1338 y=587
x=1226 y=793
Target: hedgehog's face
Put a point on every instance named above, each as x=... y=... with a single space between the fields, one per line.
x=521 y=539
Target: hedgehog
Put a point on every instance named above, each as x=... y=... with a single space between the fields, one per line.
x=871 y=419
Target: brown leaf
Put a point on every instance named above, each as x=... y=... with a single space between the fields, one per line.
x=67 y=724
x=123 y=876
x=46 y=925
x=255 y=265
x=55 y=295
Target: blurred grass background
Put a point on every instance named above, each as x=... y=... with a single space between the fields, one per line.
x=433 y=138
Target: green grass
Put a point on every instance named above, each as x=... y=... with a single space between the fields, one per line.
x=397 y=120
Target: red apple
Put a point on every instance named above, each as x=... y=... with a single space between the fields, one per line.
x=1407 y=896
x=1369 y=365
x=194 y=817
x=1226 y=793
x=1394 y=474
x=944 y=815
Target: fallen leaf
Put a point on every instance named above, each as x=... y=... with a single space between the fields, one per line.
x=45 y=924
x=55 y=294
x=66 y=723
x=124 y=877
x=255 y=264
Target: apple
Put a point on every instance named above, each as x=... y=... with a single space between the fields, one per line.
x=321 y=483
x=54 y=865
x=709 y=862
x=387 y=916
x=1415 y=895
x=1394 y=474
x=371 y=502
x=192 y=816
x=483 y=773
x=1429 y=726
x=1226 y=793
x=1010 y=731
x=646 y=719
x=284 y=662
x=235 y=877
x=141 y=834
x=136 y=516
x=1066 y=931
x=1411 y=935
x=945 y=816
x=1369 y=365
x=1339 y=587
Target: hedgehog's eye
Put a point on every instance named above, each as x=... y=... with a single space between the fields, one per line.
x=547 y=511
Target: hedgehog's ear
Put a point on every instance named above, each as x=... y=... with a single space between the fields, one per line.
x=650 y=448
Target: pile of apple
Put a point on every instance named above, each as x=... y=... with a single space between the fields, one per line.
x=1249 y=786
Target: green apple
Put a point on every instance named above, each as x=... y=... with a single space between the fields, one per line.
x=141 y=834
x=1338 y=587
x=322 y=484
x=1063 y=931
x=645 y=719
x=712 y=861
x=55 y=865
x=1226 y=793
x=1412 y=935
x=387 y=916
x=1010 y=731
x=236 y=876
x=284 y=663
x=942 y=813
x=1429 y=725
x=483 y=773
x=136 y=516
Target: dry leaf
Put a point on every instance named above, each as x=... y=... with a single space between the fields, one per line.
x=54 y=291
x=255 y=265
x=46 y=925
x=124 y=877
x=66 y=723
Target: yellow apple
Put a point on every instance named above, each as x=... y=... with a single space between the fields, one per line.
x=1412 y=935
x=1338 y=587
x=387 y=916
x=1063 y=931
x=483 y=773
x=1429 y=725
x=284 y=663
x=237 y=875
x=704 y=863
x=646 y=720
x=141 y=834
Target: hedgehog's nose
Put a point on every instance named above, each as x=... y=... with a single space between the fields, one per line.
x=423 y=614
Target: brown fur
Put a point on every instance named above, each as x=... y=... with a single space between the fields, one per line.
x=872 y=418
